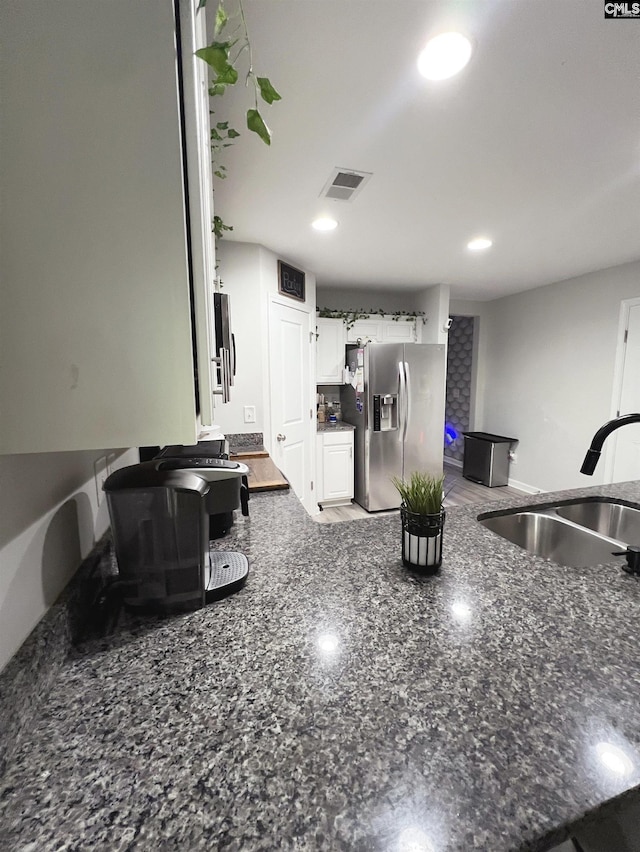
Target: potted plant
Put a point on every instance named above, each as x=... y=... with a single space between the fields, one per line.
x=422 y=521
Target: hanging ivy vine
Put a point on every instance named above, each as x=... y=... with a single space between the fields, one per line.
x=350 y=317
x=231 y=40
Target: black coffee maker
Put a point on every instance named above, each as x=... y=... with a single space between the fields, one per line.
x=222 y=500
x=160 y=517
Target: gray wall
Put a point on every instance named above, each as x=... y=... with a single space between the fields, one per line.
x=545 y=373
x=50 y=519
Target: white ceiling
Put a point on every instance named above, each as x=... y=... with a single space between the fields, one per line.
x=535 y=144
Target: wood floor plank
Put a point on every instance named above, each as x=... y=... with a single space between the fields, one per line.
x=458 y=491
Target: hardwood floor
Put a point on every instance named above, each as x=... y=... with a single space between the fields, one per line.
x=458 y=491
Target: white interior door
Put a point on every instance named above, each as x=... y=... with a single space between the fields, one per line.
x=291 y=409
x=626 y=451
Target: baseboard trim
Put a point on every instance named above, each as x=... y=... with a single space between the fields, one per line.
x=453 y=462
x=522 y=486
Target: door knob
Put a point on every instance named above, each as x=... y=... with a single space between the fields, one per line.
x=281 y=437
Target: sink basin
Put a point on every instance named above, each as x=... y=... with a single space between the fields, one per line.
x=611 y=519
x=544 y=534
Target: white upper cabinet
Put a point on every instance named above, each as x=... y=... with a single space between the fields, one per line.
x=95 y=311
x=383 y=330
x=330 y=355
x=398 y=331
x=365 y=330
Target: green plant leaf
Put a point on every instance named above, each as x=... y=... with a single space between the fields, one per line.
x=222 y=125
x=219 y=227
x=221 y=19
x=256 y=123
x=233 y=134
x=267 y=91
x=217 y=89
x=201 y=4
x=227 y=77
x=216 y=55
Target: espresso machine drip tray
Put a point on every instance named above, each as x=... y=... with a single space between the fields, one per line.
x=225 y=573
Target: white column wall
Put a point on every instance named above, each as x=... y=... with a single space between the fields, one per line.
x=249 y=274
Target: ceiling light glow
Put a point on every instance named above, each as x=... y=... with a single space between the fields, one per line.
x=324 y=223
x=461 y=610
x=444 y=56
x=479 y=244
x=614 y=759
x=414 y=839
x=328 y=643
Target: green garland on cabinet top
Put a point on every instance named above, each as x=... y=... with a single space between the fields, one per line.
x=350 y=317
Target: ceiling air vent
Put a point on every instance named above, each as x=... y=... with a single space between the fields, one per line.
x=344 y=184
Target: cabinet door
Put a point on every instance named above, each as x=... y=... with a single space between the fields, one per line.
x=330 y=351
x=368 y=331
x=95 y=325
x=337 y=464
x=398 y=331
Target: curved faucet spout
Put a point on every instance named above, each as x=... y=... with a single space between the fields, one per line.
x=593 y=453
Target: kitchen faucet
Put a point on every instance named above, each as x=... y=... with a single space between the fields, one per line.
x=632 y=554
x=593 y=453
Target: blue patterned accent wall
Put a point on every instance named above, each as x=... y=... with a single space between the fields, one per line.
x=459 y=371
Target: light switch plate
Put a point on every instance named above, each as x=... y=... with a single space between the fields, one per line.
x=249 y=414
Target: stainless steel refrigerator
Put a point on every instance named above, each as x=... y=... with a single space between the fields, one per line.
x=396 y=402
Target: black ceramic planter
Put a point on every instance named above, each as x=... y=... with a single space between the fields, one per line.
x=422 y=540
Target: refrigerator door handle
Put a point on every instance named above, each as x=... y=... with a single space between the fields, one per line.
x=402 y=401
x=407 y=414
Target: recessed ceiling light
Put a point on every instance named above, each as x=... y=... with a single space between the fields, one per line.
x=479 y=244
x=444 y=56
x=324 y=223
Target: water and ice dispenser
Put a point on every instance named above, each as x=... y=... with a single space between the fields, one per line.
x=385 y=412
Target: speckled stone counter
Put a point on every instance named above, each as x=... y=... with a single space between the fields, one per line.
x=340 y=426
x=340 y=703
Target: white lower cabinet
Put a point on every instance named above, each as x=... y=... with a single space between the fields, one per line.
x=335 y=468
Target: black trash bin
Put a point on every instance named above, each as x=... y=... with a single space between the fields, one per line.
x=486 y=458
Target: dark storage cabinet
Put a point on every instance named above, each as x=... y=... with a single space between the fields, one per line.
x=486 y=458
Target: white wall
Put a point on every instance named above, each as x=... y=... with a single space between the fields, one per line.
x=49 y=521
x=346 y=299
x=546 y=369
x=249 y=274
x=434 y=301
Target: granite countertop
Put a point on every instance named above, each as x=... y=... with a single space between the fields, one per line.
x=338 y=702
x=340 y=426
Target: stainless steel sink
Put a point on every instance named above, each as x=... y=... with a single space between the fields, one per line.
x=611 y=519
x=553 y=538
x=579 y=533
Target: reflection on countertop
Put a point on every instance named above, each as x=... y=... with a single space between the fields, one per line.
x=341 y=702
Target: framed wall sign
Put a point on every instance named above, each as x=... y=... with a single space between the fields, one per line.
x=290 y=281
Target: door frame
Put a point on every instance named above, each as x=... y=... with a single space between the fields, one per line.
x=309 y=498
x=618 y=379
